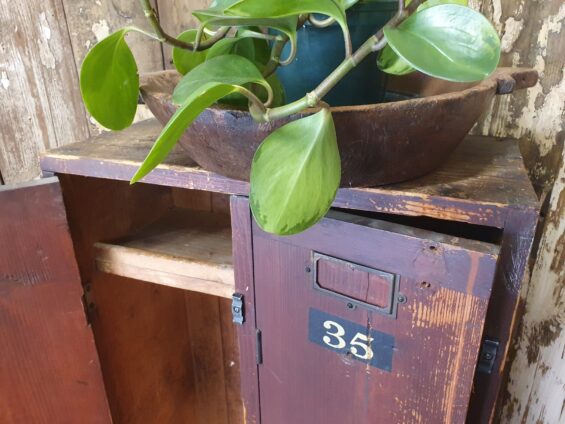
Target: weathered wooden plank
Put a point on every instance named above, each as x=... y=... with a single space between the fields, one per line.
x=232 y=359
x=246 y=333
x=91 y=21
x=145 y=350
x=49 y=367
x=465 y=189
x=535 y=389
x=175 y=17
x=191 y=251
x=204 y=327
x=532 y=36
x=433 y=341
x=504 y=311
x=40 y=107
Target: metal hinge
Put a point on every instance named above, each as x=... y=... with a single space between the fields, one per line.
x=258 y=347
x=237 y=311
x=487 y=357
x=88 y=303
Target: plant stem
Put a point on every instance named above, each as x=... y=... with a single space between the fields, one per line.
x=258 y=35
x=375 y=43
x=163 y=37
x=278 y=46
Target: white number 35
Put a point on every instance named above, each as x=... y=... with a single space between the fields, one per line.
x=360 y=345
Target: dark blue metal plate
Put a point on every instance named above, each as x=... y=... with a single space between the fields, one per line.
x=345 y=337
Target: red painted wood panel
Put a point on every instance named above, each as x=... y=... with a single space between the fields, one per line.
x=49 y=368
x=246 y=333
x=428 y=351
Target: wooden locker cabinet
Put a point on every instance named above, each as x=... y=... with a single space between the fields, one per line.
x=421 y=296
x=378 y=314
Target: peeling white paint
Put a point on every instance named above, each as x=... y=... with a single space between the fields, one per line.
x=541 y=383
x=48 y=57
x=546 y=120
x=497 y=14
x=512 y=31
x=44 y=25
x=101 y=29
x=4 y=81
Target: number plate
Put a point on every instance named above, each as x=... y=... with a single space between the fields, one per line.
x=345 y=337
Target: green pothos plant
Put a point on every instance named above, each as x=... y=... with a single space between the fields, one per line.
x=232 y=58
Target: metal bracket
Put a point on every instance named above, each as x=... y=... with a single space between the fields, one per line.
x=258 y=347
x=487 y=357
x=88 y=302
x=237 y=307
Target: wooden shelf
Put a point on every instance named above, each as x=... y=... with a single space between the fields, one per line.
x=482 y=183
x=186 y=249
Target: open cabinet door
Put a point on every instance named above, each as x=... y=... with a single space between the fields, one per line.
x=369 y=322
x=49 y=368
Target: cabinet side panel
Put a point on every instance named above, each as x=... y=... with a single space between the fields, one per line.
x=504 y=309
x=145 y=351
x=49 y=368
x=244 y=284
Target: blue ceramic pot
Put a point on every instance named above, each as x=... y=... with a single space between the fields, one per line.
x=321 y=50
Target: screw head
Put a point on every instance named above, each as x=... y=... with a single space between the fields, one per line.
x=350 y=305
x=401 y=298
x=308 y=269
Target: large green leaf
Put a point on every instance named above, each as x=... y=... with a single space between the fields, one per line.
x=348 y=3
x=390 y=62
x=181 y=120
x=186 y=60
x=433 y=3
x=109 y=82
x=216 y=16
x=449 y=41
x=290 y=8
x=393 y=64
x=295 y=175
x=199 y=89
x=256 y=50
x=227 y=69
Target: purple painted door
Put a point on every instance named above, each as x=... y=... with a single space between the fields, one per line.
x=364 y=321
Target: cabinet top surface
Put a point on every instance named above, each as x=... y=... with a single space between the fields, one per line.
x=484 y=178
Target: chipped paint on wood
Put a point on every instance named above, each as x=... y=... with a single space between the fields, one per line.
x=532 y=35
x=536 y=389
x=40 y=109
x=90 y=22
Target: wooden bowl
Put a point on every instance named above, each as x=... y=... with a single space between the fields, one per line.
x=379 y=144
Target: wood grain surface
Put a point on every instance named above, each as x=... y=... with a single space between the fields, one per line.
x=187 y=250
x=41 y=104
x=49 y=367
x=149 y=335
x=437 y=331
x=477 y=185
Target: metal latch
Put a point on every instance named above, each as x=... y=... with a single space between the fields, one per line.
x=237 y=308
x=487 y=357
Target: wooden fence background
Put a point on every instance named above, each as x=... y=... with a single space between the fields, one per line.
x=42 y=44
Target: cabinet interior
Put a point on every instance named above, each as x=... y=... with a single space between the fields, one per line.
x=157 y=268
